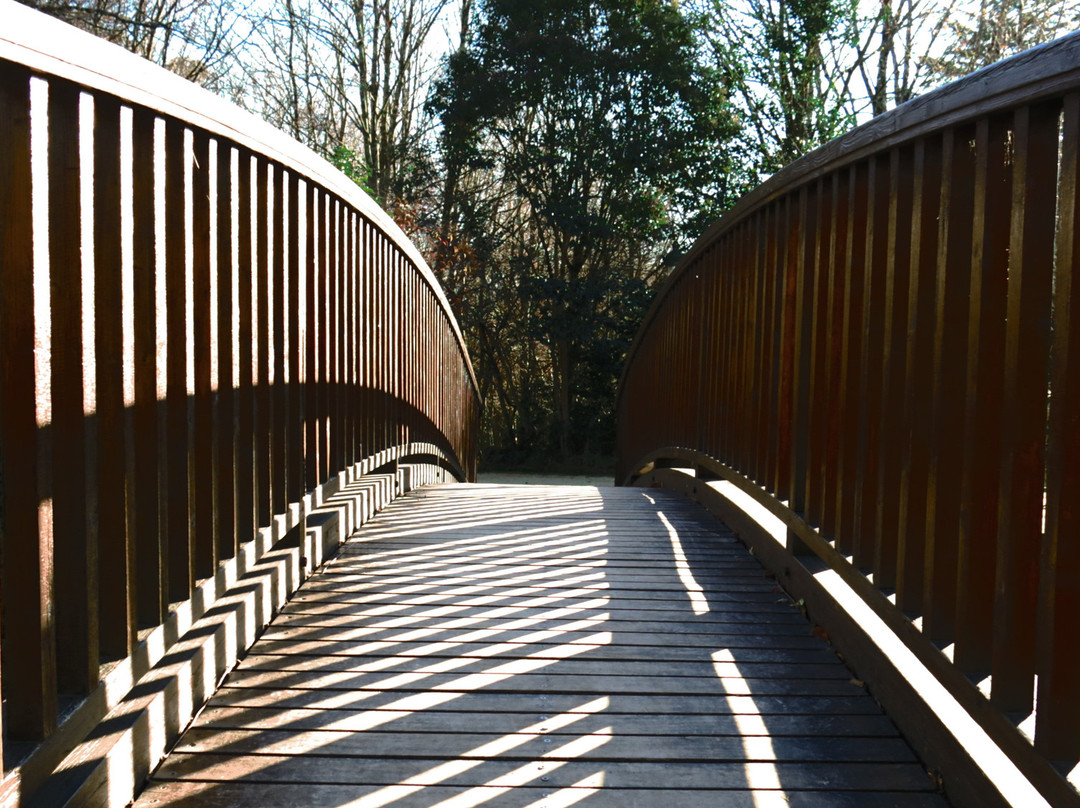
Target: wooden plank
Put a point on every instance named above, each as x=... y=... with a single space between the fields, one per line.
x=226 y=285
x=617 y=744
x=202 y=470
x=918 y=344
x=897 y=271
x=578 y=631
x=473 y=672
x=949 y=373
x=149 y=528
x=29 y=688
x=71 y=388
x=484 y=702
x=690 y=775
x=119 y=619
x=660 y=725
x=219 y=794
x=278 y=392
x=178 y=499
x=1027 y=344
x=1056 y=734
x=294 y=351
x=246 y=358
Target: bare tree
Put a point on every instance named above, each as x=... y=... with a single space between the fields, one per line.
x=195 y=38
x=991 y=30
x=350 y=80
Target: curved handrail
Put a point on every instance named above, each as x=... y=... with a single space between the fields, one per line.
x=205 y=328
x=867 y=342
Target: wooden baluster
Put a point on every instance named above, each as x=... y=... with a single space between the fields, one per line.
x=871 y=373
x=29 y=674
x=177 y=495
x=73 y=470
x=915 y=421
x=897 y=271
x=149 y=528
x=949 y=371
x=203 y=473
x=226 y=439
x=261 y=203
x=294 y=351
x=817 y=267
x=1027 y=342
x=246 y=359
x=802 y=363
x=312 y=477
x=787 y=254
x=279 y=423
x=982 y=405
x=832 y=415
x=853 y=334
x=112 y=312
x=1057 y=735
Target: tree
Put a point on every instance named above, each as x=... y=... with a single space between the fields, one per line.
x=349 y=80
x=788 y=61
x=598 y=135
x=991 y=30
x=195 y=38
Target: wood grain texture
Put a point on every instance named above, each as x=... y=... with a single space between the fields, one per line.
x=616 y=646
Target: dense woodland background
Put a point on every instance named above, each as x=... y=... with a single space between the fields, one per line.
x=552 y=158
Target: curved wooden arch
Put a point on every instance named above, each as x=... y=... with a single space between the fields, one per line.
x=210 y=336
x=878 y=343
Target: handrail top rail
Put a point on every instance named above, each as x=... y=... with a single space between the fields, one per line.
x=52 y=47
x=1026 y=77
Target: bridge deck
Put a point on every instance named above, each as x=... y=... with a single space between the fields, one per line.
x=541 y=646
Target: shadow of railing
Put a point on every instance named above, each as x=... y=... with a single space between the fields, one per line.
x=206 y=332
x=876 y=346
x=555 y=663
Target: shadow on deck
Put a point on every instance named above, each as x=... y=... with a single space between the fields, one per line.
x=547 y=646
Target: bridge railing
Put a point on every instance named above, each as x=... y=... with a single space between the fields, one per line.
x=877 y=344
x=201 y=322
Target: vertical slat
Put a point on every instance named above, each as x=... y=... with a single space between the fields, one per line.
x=871 y=361
x=897 y=271
x=982 y=404
x=802 y=362
x=312 y=478
x=226 y=284
x=1057 y=733
x=181 y=559
x=915 y=426
x=74 y=525
x=817 y=267
x=278 y=326
x=203 y=477
x=1031 y=253
x=325 y=322
x=117 y=557
x=337 y=259
x=832 y=417
x=850 y=468
x=29 y=674
x=151 y=584
x=247 y=369
x=263 y=209
x=789 y=256
x=949 y=372
x=294 y=433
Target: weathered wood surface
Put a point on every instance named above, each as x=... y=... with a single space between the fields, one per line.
x=541 y=646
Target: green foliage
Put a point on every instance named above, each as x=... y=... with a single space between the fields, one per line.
x=785 y=61
x=585 y=142
x=349 y=163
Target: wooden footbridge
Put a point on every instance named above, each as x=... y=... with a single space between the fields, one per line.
x=241 y=564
